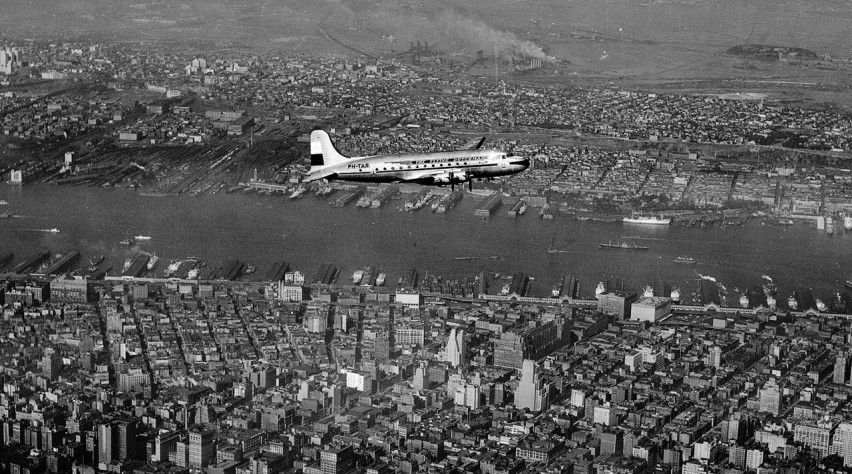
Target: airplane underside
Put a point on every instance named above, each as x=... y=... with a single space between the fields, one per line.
x=448 y=178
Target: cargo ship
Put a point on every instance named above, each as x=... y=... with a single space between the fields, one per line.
x=622 y=246
x=653 y=220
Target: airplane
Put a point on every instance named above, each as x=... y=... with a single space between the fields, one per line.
x=437 y=168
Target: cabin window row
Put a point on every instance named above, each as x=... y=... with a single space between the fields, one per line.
x=393 y=168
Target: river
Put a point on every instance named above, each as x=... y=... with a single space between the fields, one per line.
x=262 y=229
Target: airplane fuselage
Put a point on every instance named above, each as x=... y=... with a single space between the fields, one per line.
x=440 y=167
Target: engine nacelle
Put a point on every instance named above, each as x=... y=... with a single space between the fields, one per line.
x=450 y=179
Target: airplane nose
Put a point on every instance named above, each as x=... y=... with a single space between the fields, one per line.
x=525 y=162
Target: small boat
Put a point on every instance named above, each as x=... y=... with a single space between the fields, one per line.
x=357 y=276
x=152 y=261
x=3 y=203
x=622 y=246
x=53 y=230
x=380 y=280
x=848 y=284
x=601 y=289
x=685 y=260
x=142 y=237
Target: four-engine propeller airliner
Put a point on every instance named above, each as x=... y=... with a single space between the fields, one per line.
x=440 y=168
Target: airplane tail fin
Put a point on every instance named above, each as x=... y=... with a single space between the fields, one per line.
x=323 y=156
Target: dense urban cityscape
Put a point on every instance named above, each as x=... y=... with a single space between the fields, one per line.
x=228 y=368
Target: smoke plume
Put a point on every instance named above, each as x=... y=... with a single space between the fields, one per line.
x=481 y=36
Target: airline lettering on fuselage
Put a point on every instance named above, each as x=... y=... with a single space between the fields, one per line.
x=447 y=160
x=358 y=166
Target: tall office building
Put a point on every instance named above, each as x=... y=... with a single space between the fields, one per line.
x=534 y=342
x=770 y=398
x=456 y=347
x=818 y=436
x=50 y=366
x=421 y=377
x=716 y=356
x=202 y=451
x=107 y=443
x=383 y=346
x=337 y=460
x=126 y=438
x=841 y=368
x=841 y=445
x=612 y=442
x=531 y=392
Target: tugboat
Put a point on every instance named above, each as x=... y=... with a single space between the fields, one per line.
x=685 y=260
x=601 y=289
x=648 y=293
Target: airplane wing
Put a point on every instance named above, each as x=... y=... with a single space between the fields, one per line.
x=474 y=143
x=429 y=176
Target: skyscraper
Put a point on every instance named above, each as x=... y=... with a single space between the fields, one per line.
x=50 y=366
x=716 y=356
x=107 y=443
x=456 y=347
x=126 y=437
x=841 y=368
x=421 y=377
x=770 y=397
x=530 y=392
x=202 y=451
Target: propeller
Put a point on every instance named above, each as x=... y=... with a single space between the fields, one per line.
x=452 y=183
x=469 y=180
